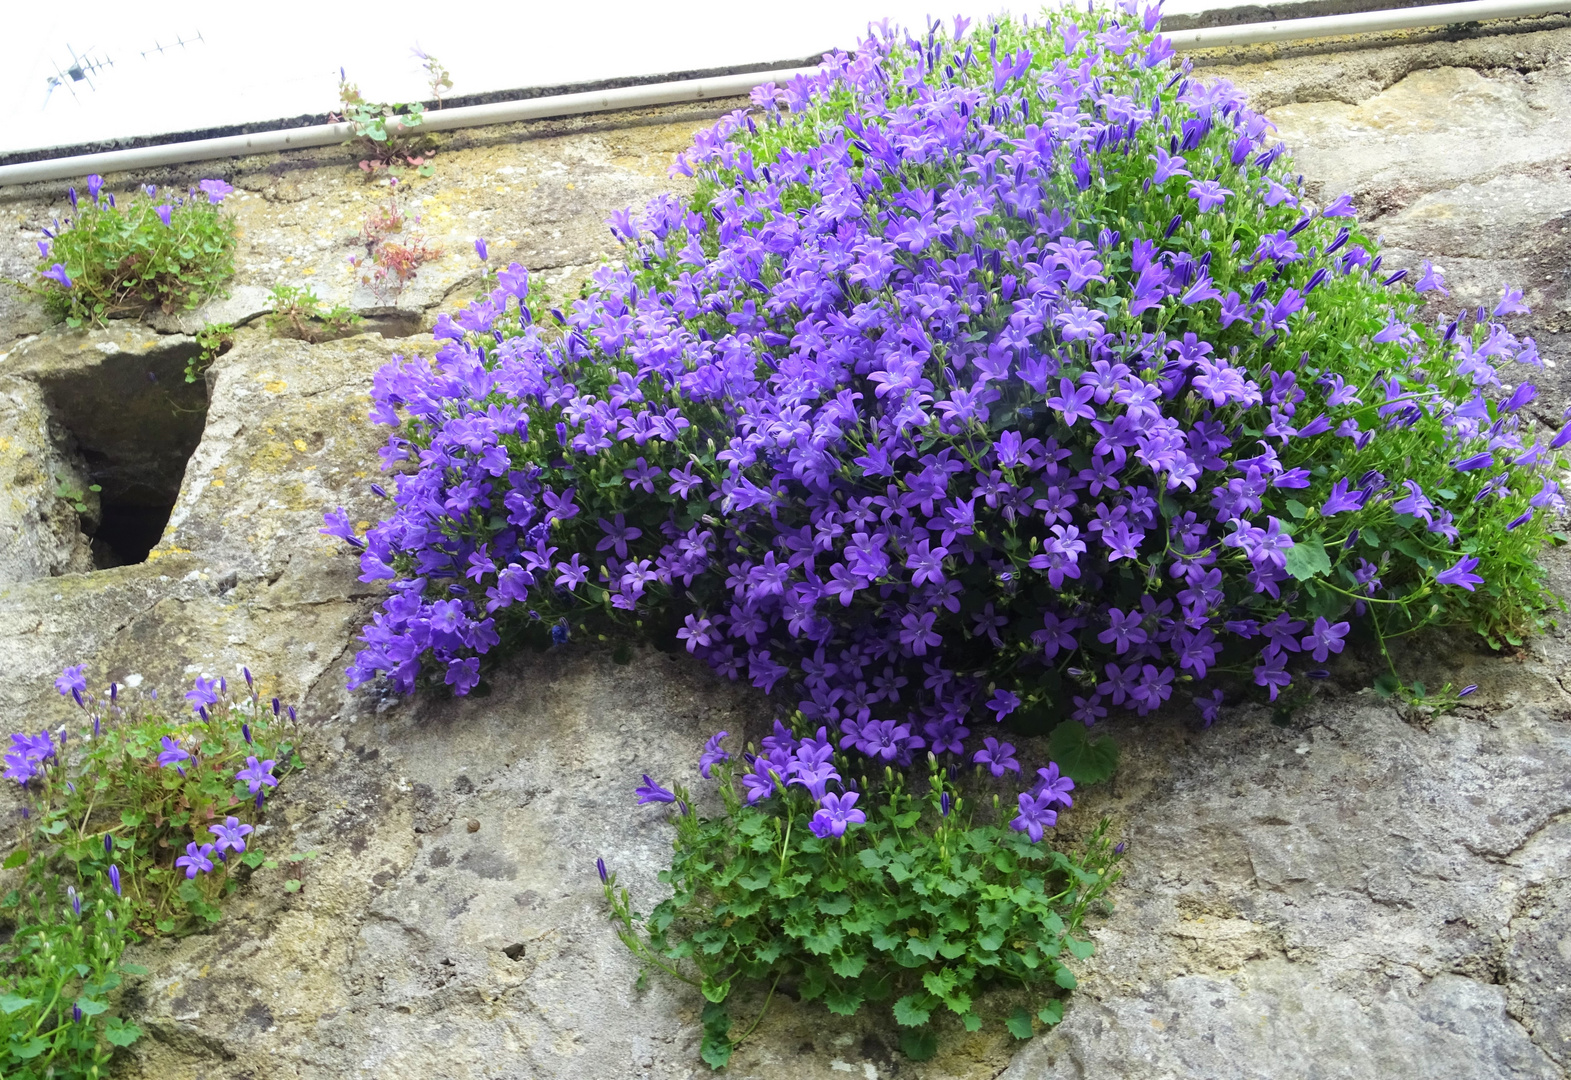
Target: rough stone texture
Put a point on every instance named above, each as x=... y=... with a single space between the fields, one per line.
x=40 y=531
x=1368 y=892
x=537 y=192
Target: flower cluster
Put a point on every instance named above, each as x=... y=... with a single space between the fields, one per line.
x=111 y=257
x=112 y=797
x=990 y=373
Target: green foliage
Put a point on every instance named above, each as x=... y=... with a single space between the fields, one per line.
x=380 y=130
x=121 y=258
x=913 y=911
x=1086 y=760
x=65 y=489
x=104 y=801
x=297 y=313
x=214 y=340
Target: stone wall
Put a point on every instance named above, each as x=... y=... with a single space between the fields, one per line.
x=1365 y=893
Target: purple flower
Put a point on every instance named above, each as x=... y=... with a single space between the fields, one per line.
x=997 y=756
x=231 y=834
x=1209 y=707
x=480 y=249
x=712 y=755
x=114 y=879
x=172 y=755
x=257 y=775
x=1430 y=279
x=196 y=860
x=164 y=212
x=1461 y=574
x=71 y=681
x=1002 y=703
x=1325 y=636
x=57 y=273
x=1511 y=303
x=1054 y=786
x=651 y=792
x=95 y=184
x=835 y=813
x=203 y=693
x=1209 y=194
x=1036 y=813
x=215 y=190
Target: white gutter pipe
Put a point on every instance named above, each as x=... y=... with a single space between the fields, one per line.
x=724 y=86
x=500 y=112
x=1362 y=22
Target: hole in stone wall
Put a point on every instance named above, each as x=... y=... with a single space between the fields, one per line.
x=134 y=421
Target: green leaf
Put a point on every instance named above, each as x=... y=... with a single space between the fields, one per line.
x=1065 y=978
x=1051 y=1013
x=1079 y=949
x=836 y=905
x=10 y=1003
x=1019 y=1024
x=30 y=1049
x=133 y=969
x=292 y=885
x=913 y=1010
x=848 y=966
x=1307 y=557
x=120 y=1033
x=90 y=1007
x=1387 y=684
x=1297 y=509
x=918 y=1045
x=17 y=858
x=1079 y=757
x=843 y=1002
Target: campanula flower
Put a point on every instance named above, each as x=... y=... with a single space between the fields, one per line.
x=257 y=774
x=172 y=755
x=196 y=860
x=231 y=835
x=835 y=814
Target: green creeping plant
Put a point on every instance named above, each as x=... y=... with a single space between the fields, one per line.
x=916 y=909
x=138 y=823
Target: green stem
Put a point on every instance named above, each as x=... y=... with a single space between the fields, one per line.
x=757 y=1019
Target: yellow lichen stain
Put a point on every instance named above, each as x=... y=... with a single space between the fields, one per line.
x=277 y=386
x=218 y=483
x=300 y=445
x=161 y=552
x=362 y=526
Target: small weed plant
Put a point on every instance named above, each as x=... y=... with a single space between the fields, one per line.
x=297 y=313
x=393 y=254
x=212 y=341
x=139 y=822
x=876 y=895
x=150 y=249
x=382 y=131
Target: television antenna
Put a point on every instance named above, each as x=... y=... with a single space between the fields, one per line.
x=81 y=69
x=84 y=66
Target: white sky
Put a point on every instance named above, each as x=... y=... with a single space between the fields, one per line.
x=281 y=58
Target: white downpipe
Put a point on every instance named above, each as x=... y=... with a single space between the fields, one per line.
x=667 y=93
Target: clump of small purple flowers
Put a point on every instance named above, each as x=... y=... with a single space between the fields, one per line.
x=1034 y=385
x=133 y=826
x=112 y=256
